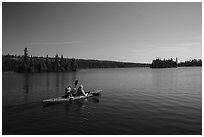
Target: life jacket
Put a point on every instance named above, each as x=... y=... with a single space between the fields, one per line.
x=73 y=91
x=79 y=91
x=67 y=93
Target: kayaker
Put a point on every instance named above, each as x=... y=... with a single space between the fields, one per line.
x=73 y=91
x=81 y=91
x=67 y=92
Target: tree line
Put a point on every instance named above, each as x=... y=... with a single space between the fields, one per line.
x=170 y=63
x=165 y=63
x=26 y=63
x=189 y=63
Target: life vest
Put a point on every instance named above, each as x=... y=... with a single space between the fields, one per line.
x=79 y=91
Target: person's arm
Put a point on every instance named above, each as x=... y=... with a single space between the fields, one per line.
x=85 y=94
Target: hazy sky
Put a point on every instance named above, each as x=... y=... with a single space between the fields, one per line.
x=136 y=32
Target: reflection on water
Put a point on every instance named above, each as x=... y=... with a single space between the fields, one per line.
x=26 y=86
x=36 y=86
x=48 y=81
x=95 y=100
x=133 y=101
x=73 y=78
x=161 y=78
x=78 y=107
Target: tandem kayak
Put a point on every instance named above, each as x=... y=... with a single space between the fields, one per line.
x=63 y=99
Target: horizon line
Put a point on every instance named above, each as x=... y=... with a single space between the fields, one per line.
x=102 y=59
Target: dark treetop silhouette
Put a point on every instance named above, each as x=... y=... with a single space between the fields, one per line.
x=28 y=63
x=170 y=63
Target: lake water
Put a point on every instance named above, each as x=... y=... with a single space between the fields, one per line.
x=133 y=101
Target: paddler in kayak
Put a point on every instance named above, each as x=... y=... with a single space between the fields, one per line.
x=73 y=91
x=68 y=92
x=81 y=91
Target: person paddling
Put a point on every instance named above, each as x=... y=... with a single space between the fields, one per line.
x=81 y=91
x=67 y=92
x=74 y=90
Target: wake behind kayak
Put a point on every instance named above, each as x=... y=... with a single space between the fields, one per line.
x=63 y=99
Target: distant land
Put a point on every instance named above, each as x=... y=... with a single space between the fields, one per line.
x=29 y=64
x=26 y=63
x=170 y=63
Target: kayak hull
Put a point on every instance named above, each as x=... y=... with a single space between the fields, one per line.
x=63 y=99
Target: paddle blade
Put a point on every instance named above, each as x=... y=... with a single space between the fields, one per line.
x=76 y=82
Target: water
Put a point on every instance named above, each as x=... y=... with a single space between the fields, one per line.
x=133 y=101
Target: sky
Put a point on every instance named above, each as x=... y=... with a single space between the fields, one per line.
x=133 y=32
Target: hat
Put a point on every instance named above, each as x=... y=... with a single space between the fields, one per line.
x=81 y=86
x=68 y=89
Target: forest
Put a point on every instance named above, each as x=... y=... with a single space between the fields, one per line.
x=165 y=63
x=28 y=63
x=189 y=63
x=170 y=63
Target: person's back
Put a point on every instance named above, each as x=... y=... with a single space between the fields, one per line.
x=67 y=92
x=80 y=91
x=74 y=91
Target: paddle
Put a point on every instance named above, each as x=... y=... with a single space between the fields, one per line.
x=75 y=84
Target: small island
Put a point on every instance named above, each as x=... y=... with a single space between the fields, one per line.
x=170 y=63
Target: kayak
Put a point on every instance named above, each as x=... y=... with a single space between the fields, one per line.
x=63 y=99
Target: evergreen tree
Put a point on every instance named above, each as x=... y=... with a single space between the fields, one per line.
x=73 y=65
x=56 y=65
x=25 y=55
